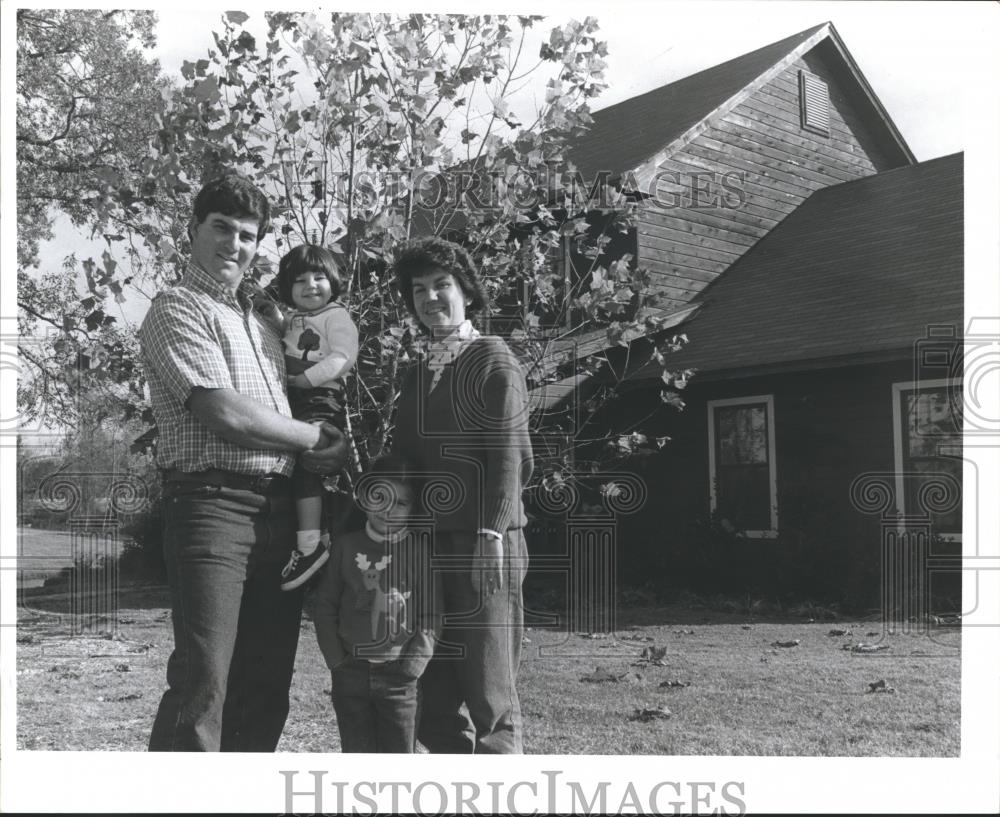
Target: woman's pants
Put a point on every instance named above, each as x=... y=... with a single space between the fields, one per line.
x=477 y=658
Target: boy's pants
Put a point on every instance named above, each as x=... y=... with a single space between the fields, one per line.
x=235 y=631
x=486 y=631
x=376 y=707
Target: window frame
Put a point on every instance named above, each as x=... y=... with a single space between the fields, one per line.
x=898 y=389
x=768 y=401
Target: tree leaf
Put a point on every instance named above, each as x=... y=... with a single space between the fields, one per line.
x=207 y=90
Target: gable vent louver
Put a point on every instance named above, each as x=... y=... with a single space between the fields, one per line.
x=814 y=102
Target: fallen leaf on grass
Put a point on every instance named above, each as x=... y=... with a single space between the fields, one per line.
x=124 y=620
x=26 y=638
x=525 y=639
x=674 y=684
x=600 y=675
x=746 y=627
x=654 y=653
x=865 y=649
x=793 y=643
x=139 y=648
x=635 y=637
x=683 y=632
x=592 y=636
x=839 y=632
x=122 y=668
x=115 y=699
x=880 y=686
x=657 y=713
x=872 y=634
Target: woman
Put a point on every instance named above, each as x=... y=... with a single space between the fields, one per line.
x=463 y=416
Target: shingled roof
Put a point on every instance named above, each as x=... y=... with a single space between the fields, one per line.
x=628 y=134
x=858 y=270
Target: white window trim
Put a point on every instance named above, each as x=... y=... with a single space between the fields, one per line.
x=897 y=440
x=767 y=399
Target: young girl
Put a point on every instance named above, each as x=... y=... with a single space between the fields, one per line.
x=321 y=345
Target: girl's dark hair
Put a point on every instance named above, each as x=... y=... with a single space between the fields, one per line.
x=307 y=258
x=425 y=255
x=236 y=196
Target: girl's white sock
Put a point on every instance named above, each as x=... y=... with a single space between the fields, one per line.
x=306 y=541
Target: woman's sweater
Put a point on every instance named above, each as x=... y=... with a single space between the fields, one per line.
x=468 y=437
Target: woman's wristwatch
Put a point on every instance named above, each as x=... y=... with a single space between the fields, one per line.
x=491 y=533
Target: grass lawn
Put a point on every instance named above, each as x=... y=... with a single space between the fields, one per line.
x=734 y=692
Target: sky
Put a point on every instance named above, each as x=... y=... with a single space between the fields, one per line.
x=913 y=55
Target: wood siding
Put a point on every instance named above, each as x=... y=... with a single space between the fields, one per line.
x=773 y=165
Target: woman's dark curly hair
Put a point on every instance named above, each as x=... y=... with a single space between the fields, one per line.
x=425 y=255
x=307 y=258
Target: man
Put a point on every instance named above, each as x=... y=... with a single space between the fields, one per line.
x=227 y=444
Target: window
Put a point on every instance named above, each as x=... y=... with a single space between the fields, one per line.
x=814 y=103
x=928 y=446
x=742 y=471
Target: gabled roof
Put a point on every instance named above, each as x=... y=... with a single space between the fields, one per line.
x=648 y=128
x=858 y=271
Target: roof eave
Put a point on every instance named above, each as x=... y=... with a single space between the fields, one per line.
x=646 y=171
x=788 y=366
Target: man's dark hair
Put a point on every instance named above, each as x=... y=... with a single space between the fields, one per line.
x=426 y=255
x=234 y=196
x=375 y=488
x=307 y=258
x=393 y=467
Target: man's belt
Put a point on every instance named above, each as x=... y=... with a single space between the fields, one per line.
x=260 y=484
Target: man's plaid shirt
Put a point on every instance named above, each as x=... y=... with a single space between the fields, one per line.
x=198 y=334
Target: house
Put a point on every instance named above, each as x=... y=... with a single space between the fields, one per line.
x=817 y=270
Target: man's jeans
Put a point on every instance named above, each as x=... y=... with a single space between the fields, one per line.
x=235 y=631
x=376 y=707
x=485 y=632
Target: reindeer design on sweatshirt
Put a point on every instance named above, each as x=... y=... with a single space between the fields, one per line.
x=391 y=603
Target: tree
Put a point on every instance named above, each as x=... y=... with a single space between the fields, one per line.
x=365 y=130
x=368 y=129
x=87 y=101
x=87 y=98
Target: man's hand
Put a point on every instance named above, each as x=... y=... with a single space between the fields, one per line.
x=330 y=454
x=487 y=564
x=299 y=381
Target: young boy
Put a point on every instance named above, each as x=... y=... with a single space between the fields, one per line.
x=378 y=614
x=321 y=345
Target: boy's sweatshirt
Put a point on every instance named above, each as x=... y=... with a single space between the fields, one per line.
x=379 y=601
